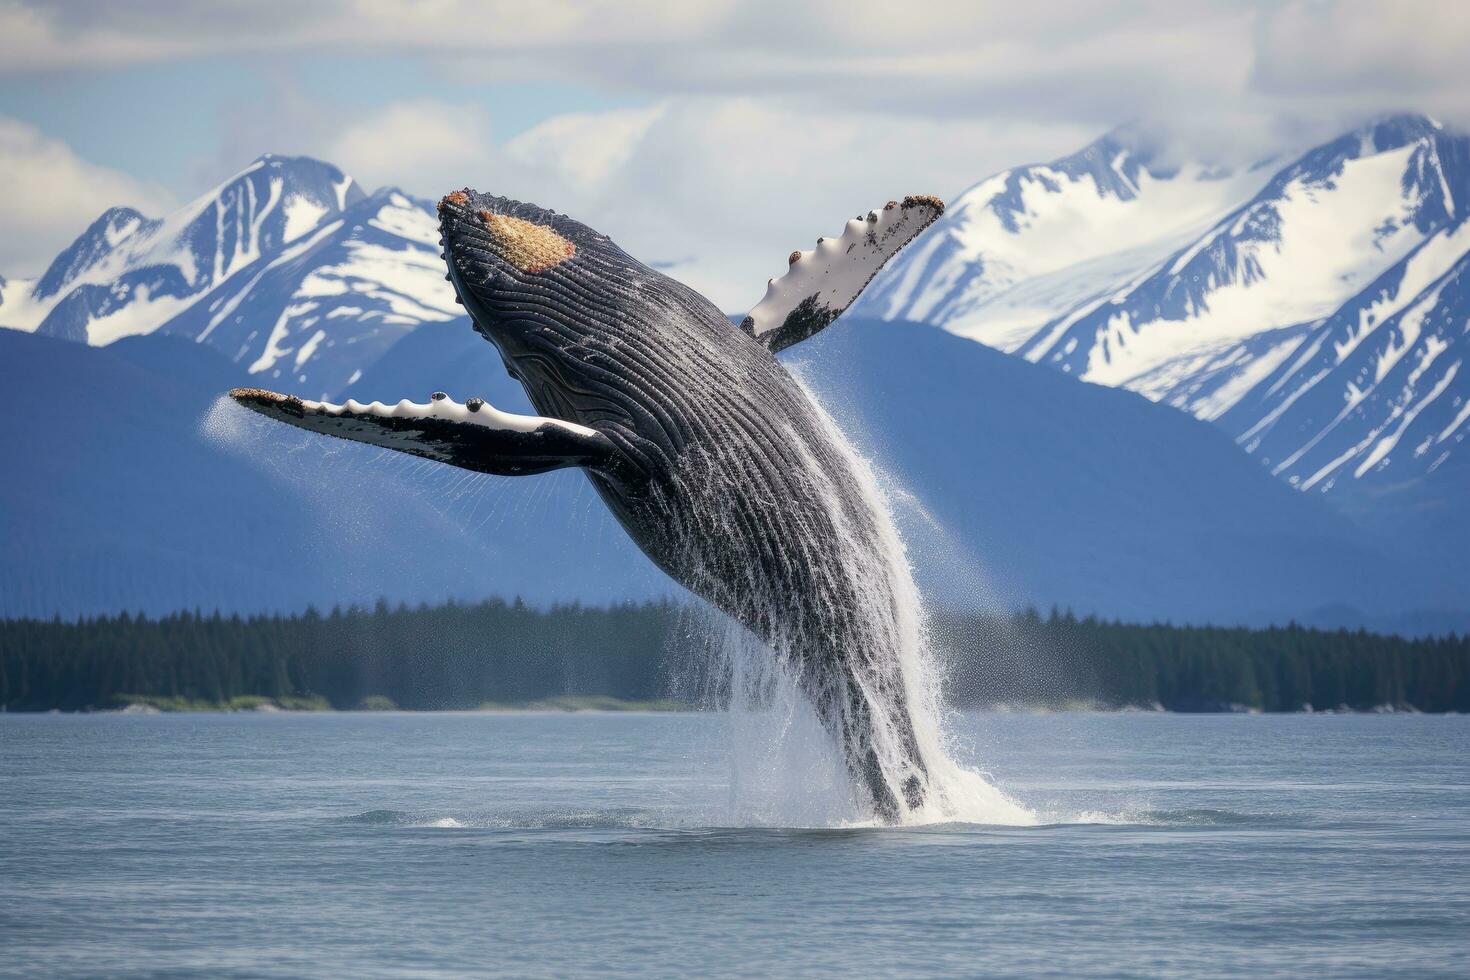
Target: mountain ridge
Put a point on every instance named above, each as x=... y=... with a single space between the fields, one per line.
x=1042 y=493
x=299 y=279
x=256 y=268
x=1312 y=313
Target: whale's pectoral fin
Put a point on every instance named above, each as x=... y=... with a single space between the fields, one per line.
x=471 y=435
x=823 y=282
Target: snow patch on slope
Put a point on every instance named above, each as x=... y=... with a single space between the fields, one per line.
x=1022 y=245
x=1334 y=239
x=1309 y=309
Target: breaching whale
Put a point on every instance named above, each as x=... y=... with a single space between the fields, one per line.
x=707 y=451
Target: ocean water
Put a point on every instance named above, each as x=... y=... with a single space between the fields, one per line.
x=577 y=844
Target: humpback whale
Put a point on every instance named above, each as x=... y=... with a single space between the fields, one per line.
x=708 y=452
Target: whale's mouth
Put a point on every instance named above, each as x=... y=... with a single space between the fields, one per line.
x=490 y=253
x=523 y=275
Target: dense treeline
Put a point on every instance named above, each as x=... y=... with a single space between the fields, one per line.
x=452 y=656
x=1062 y=660
x=468 y=656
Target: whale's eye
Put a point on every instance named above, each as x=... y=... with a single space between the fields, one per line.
x=526 y=245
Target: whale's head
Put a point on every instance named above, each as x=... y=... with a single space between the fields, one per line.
x=550 y=292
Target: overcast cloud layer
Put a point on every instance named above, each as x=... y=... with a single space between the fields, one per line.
x=753 y=128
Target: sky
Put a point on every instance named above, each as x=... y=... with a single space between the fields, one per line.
x=710 y=137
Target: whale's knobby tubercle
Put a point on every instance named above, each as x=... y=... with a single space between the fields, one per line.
x=526 y=245
x=262 y=398
x=915 y=200
x=454 y=197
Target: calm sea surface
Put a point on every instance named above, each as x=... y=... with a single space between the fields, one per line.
x=540 y=844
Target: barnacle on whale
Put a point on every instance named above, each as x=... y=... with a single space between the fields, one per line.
x=526 y=245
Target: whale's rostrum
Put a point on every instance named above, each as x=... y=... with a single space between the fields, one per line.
x=708 y=452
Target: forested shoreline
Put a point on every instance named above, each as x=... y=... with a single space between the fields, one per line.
x=498 y=654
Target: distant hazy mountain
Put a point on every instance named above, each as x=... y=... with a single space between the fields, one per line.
x=287 y=269
x=124 y=491
x=1314 y=310
x=1100 y=500
x=134 y=489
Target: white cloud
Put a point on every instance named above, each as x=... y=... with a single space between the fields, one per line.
x=1098 y=61
x=723 y=189
x=32 y=39
x=46 y=35
x=771 y=122
x=423 y=145
x=51 y=195
x=583 y=150
x=717 y=190
x=1382 y=51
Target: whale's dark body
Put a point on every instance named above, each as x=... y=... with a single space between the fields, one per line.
x=707 y=451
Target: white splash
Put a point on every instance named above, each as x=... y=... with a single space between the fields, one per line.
x=786 y=769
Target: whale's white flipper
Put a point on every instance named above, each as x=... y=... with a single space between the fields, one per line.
x=823 y=282
x=471 y=435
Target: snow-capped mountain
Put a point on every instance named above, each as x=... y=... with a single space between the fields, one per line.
x=288 y=268
x=1016 y=248
x=149 y=509
x=1377 y=391
x=1313 y=310
x=304 y=282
